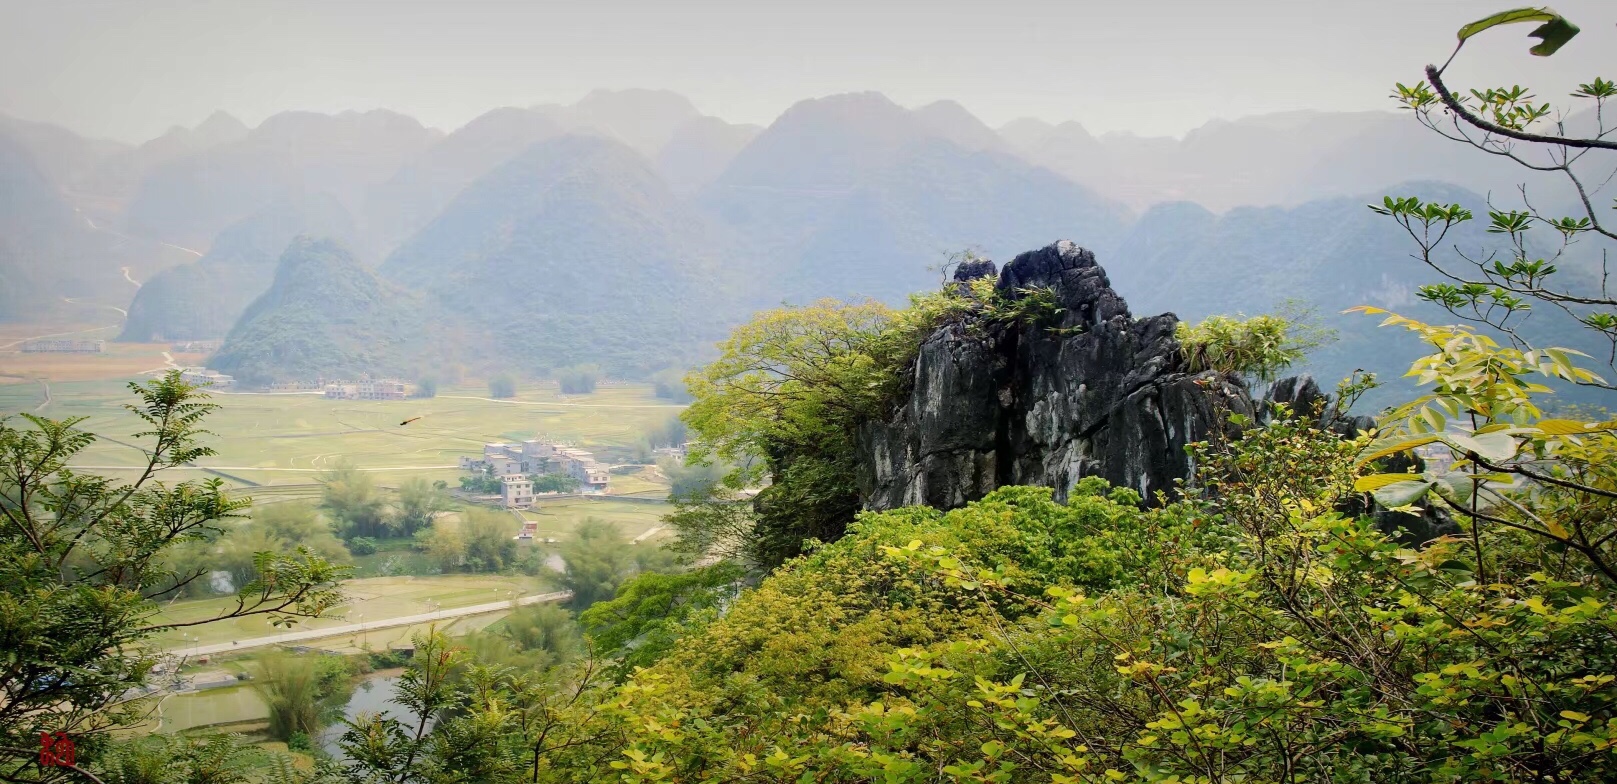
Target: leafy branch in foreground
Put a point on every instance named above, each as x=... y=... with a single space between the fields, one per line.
x=83 y=559
x=1499 y=286
x=1510 y=466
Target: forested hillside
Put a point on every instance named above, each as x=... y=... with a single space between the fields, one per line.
x=325 y=314
x=203 y=299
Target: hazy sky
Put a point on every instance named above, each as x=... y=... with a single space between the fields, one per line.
x=131 y=68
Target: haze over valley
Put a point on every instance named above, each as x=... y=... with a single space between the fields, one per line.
x=520 y=391
x=630 y=230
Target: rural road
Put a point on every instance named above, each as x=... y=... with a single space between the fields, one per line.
x=304 y=635
x=21 y=341
x=75 y=301
x=120 y=235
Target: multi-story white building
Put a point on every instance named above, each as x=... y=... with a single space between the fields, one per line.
x=516 y=492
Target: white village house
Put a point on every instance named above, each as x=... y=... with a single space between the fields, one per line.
x=518 y=461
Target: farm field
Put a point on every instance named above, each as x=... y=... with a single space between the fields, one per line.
x=557 y=519
x=372 y=599
x=287 y=439
x=229 y=704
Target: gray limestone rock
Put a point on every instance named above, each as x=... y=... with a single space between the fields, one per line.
x=1096 y=392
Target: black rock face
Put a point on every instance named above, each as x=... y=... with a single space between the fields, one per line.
x=1095 y=392
x=973 y=269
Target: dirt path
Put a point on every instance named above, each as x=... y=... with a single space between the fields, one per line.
x=123 y=236
x=21 y=341
x=121 y=311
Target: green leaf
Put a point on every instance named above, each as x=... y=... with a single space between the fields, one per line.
x=1459 y=486
x=1553 y=33
x=1571 y=427
x=1491 y=446
x=1380 y=449
x=1402 y=493
x=1373 y=482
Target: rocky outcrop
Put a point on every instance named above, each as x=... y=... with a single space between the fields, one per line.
x=1092 y=391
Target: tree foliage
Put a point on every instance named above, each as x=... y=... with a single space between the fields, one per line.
x=1261 y=346
x=578 y=379
x=480 y=542
x=419 y=503
x=654 y=609
x=669 y=385
x=229 y=561
x=1533 y=263
x=789 y=388
x=555 y=483
x=599 y=559
x=356 y=507
x=303 y=693
x=84 y=559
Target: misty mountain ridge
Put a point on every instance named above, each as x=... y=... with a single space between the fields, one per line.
x=574 y=251
x=630 y=230
x=854 y=195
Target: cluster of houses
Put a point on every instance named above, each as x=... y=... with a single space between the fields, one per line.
x=369 y=389
x=514 y=463
x=56 y=346
x=316 y=385
x=201 y=376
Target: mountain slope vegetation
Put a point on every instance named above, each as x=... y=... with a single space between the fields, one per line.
x=326 y=315
x=202 y=300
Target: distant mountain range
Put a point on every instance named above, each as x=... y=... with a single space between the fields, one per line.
x=575 y=251
x=630 y=230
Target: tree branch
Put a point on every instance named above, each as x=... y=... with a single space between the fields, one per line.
x=1434 y=76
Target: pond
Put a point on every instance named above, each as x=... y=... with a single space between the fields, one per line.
x=375 y=694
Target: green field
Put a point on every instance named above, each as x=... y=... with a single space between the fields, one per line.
x=228 y=704
x=372 y=599
x=557 y=519
x=286 y=440
x=274 y=447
